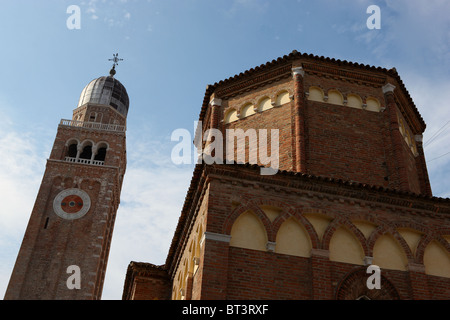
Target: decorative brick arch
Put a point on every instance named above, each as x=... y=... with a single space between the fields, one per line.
x=229 y=221
x=292 y=213
x=72 y=141
x=380 y=231
x=416 y=227
x=354 y=285
x=343 y=222
x=425 y=241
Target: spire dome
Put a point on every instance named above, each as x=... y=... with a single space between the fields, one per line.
x=107 y=90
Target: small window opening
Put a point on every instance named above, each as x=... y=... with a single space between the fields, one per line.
x=46 y=223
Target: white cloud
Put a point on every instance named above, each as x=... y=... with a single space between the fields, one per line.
x=111 y=11
x=151 y=201
x=21 y=168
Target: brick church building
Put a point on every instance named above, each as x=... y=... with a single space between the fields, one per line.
x=348 y=189
x=352 y=191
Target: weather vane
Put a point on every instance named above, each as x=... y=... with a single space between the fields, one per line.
x=115 y=61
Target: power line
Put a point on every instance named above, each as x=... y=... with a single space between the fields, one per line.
x=438 y=157
x=436 y=134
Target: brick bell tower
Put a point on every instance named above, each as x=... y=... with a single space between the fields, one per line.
x=65 y=248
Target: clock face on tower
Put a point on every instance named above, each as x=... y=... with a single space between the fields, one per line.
x=71 y=204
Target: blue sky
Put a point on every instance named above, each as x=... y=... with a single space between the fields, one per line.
x=171 y=51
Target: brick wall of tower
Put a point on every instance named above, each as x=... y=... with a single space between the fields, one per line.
x=52 y=244
x=337 y=141
x=279 y=118
x=275 y=118
x=346 y=143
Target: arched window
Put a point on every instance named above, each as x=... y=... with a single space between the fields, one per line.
x=264 y=104
x=86 y=153
x=72 y=150
x=315 y=94
x=354 y=101
x=101 y=152
x=247 y=110
x=373 y=104
x=92 y=116
x=99 y=117
x=282 y=98
x=231 y=116
x=335 y=97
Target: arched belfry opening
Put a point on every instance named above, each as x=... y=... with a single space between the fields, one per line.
x=72 y=150
x=86 y=153
x=101 y=152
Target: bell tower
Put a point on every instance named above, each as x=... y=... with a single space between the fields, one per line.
x=65 y=248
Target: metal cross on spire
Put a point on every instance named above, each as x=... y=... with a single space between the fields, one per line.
x=115 y=61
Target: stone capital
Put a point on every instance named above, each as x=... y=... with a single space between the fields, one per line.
x=320 y=253
x=215 y=102
x=215 y=236
x=271 y=246
x=416 y=267
x=388 y=88
x=367 y=260
x=298 y=70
